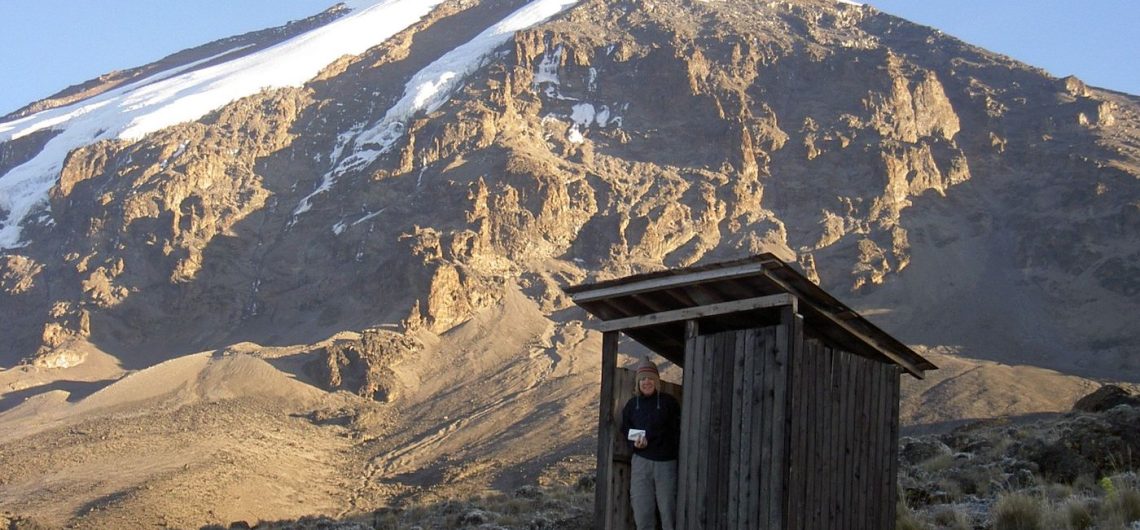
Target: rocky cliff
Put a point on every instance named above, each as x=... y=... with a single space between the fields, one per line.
x=971 y=205
x=625 y=136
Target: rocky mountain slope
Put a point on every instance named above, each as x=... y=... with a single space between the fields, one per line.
x=402 y=250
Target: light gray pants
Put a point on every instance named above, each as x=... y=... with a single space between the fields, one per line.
x=653 y=488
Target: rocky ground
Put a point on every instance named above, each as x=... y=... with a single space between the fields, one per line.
x=1076 y=470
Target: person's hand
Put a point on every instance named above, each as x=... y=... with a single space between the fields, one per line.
x=640 y=443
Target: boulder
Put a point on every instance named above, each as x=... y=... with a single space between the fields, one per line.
x=1106 y=397
x=914 y=451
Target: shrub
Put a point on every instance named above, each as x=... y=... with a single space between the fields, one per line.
x=905 y=519
x=1017 y=511
x=1078 y=514
x=1123 y=507
x=952 y=518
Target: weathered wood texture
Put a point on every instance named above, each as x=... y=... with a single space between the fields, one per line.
x=735 y=433
x=843 y=432
x=606 y=434
x=777 y=432
x=618 y=512
x=782 y=433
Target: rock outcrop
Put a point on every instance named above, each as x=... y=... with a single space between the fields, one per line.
x=899 y=167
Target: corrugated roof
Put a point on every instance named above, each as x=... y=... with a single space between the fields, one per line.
x=733 y=295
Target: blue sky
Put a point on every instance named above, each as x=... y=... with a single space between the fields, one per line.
x=1095 y=40
x=47 y=45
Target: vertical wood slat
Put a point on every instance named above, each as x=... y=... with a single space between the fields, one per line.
x=852 y=433
x=773 y=383
x=700 y=461
x=721 y=438
x=805 y=393
x=714 y=421
x=869 y=448
x=798 y=351
x=887 y=478
x=884 y=455
x=762 y=425
x=778 y=470
x=849 y=456
x=852 y=411
x=835 y=469
x=797 y=449
x=760 y=417
x=876 y=459
x=862 y=402
x=730 y=509
x=822 y=420
x=818 y=379
x=684 y=484
x=747 y=516
x=838 y=417
x=823 y=430
x=602 y=494
x=621 y=513
x=893 y=444
x=691 y=500
x=739 y=440
x=827 y=437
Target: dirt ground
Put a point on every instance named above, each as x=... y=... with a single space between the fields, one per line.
x=242 y=435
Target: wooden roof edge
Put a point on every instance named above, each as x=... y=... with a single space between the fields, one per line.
x=690 y=313
x=703 y=271
x=894 y=349
x=772 y=268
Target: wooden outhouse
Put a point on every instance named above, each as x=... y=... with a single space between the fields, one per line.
x=790 y=400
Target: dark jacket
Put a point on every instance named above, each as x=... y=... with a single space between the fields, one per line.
x=660 y=416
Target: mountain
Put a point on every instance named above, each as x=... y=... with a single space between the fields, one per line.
x=336 y=249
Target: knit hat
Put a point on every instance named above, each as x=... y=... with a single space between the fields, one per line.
x=646 y=368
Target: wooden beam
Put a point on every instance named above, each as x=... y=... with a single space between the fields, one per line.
x=688 y=313
x=666 y=282
x=602 y=482
x=905 y=364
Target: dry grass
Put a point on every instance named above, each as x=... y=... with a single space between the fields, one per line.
x=1018 y=511
x=1002 y=476
x=527 y=508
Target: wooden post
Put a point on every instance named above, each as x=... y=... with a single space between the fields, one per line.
x=602 y=497
x=684 y=477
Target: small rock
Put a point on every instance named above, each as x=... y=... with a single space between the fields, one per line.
x=475 y=517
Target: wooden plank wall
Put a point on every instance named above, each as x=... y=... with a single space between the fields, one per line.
x=776 y=433
x=619 y=513
x=843 y=441
x=734 y=430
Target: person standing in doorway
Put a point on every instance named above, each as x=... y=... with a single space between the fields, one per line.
x=654 y=418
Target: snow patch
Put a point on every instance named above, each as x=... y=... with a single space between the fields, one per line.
x=583 y=114
x=547 y=69
x=575 y=136
x=429 y=89
x=172 y=97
